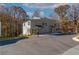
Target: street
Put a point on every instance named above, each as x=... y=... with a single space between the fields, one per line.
x=40 y=45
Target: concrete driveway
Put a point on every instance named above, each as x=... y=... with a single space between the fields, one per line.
x=40 y=45
x=72 y=51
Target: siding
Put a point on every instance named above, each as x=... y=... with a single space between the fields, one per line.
x=44 y=23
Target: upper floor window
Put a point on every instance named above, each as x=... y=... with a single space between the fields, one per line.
x=29 y=23
x=44 y=24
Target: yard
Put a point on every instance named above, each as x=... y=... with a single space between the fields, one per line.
x=40 y=45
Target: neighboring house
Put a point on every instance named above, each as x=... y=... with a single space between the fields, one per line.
x=27 y=28
x=38 y=25
x=44 y=26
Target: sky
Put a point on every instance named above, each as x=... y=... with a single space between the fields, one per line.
x=46 y=9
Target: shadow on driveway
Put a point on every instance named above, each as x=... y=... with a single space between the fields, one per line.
x=59 y=34
x=7 y=42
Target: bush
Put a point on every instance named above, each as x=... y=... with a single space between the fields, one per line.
x=24 y=36
x=8 y=38
x=12 y=38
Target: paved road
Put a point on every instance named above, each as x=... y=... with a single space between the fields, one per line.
x=44 y=45
x=72 y=51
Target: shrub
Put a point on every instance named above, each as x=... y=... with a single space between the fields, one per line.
x=24 y=36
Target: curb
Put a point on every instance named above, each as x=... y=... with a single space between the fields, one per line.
x=75 y=39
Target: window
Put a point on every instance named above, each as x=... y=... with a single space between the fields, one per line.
x=29 y=22
x=45 y=24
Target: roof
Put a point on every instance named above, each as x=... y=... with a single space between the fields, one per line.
x=36 y=18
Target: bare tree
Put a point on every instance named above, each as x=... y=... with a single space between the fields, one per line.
x=74 y=14
x=62 y=12
x=20 y=16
